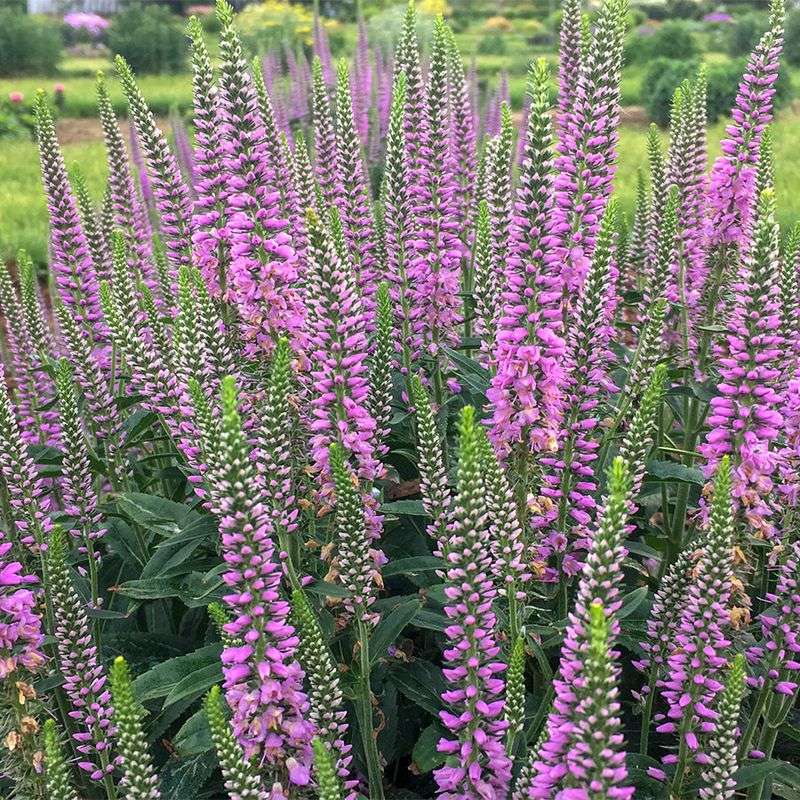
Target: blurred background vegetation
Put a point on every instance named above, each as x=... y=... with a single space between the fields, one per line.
x=61 y=51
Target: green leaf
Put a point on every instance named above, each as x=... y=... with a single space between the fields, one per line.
x=171 y=556
x=182 y=778
x=430 y=620
x=411 y=508
x=425 y=754
x=412 y=565
x=155 y=513
x=632 y=601
x=421 y=682
x=148 y=589
x=390 y=627
x=194 y=736
x=199 y=682
x=325 y=589
x=752 y=772
x=672 y=471
x=164 y=677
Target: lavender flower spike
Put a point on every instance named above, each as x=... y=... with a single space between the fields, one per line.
x=208 y=211
x=354 y=201
x=263 y=680
x=695 y=665
x=171 y=193
x=731 y=191
x=127 y=207
x=718 y=777
x=263 y=268
x=525 y=393
x=745 y=419
x=339 y=359
x=84 y=676
x=562 y=758
x=242 y=781
x=325 y=695
x=139 y=781
x=72 y=261
x=28 y=497
x=477 y=765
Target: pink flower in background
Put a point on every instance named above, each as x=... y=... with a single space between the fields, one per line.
x=93 y=24
x=718 y=17
x=16 y=97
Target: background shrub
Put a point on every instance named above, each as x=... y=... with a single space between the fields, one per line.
x=674 y=40
x=791 y=39
x=150 y=38
x=28 y=44
x=662 y=78
x=745 y=33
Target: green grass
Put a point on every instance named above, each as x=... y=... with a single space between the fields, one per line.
x=786 y=130
x=23 y=211
x=163 y=92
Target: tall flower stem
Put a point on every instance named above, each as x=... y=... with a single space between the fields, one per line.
x=368 y=740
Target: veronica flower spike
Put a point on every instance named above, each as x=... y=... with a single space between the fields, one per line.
x=85 y=679
x=139 y=779
x=696 y=663
x=172 y=197
x=263 y=679
x=477 y=764
x=565 y=757
x=75 y=273
x=57 y=778
x=263 y=268
x=719 y=776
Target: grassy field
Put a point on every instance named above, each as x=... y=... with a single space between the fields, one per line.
x=23 y=215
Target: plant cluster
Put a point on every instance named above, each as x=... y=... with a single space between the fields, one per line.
x=467 y=487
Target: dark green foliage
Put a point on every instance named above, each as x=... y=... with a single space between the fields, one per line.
x=28 y=44
x=150 y=39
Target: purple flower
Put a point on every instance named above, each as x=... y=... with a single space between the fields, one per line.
x=731 y=192
x=263 y=680
x=692 y=678
x=745 y=417
x=172 y=198
x=263 y=268
x=717 y=17
x=777 y=656
x=477 y=765
x=525 y=393
x=21 y=636
x=339 y=369
x=72 y=265
x=93 y=24
x=435 y=270
x=85 y=679
x=586 y=712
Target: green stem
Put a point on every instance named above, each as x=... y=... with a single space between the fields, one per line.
x=368 y=741
x=752 y=723
x=683 y=755
x=766 y=744
x=647 y=713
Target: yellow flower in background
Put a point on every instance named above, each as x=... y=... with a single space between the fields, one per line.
x=434 y=8
x=272 y=22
